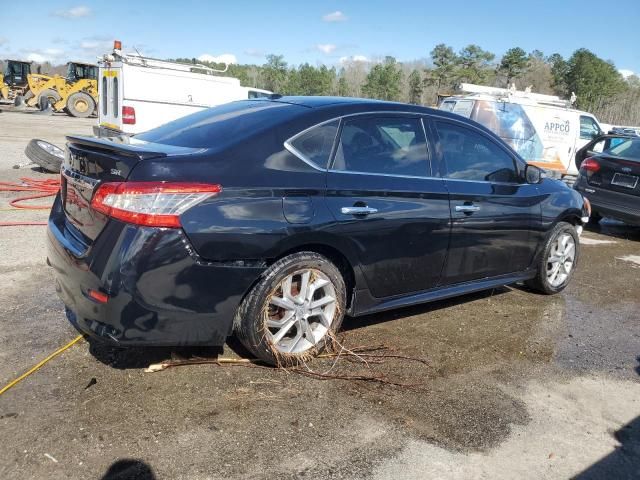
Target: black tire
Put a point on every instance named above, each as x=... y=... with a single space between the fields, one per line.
x=595 y=218
x=80 y=104
x=37 y=152
x=250 y=321
x=48 y=97
x=19 y=102
x=540 y=282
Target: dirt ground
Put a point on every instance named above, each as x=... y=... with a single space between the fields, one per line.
x=515 y=384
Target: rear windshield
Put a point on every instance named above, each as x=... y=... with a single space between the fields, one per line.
x=628 y=149
x=220 y=126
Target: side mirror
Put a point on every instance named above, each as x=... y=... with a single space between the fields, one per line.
x=532 y=174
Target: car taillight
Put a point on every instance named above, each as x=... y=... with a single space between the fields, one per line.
x=156 y=204
x=128 y=115
x=590 y=165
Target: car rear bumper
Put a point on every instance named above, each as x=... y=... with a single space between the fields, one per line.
x=621 y=206
x=160 y=291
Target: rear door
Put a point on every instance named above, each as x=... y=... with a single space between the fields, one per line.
x=110 y=97
x=493 y=211
x=382 y=194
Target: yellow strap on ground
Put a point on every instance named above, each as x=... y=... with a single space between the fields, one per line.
x=40 y=364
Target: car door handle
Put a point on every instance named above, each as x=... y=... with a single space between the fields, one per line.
x=467 y=208
x=358 y=210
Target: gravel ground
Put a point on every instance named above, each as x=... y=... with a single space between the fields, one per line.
x=515 y=385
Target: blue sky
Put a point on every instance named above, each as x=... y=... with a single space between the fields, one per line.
x=318 y=31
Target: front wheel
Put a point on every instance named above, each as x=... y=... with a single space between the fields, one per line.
x=557 y=260
x=293 y=311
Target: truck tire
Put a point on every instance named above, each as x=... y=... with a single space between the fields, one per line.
x=48 y=97
x=80 y=104
x=45 y=155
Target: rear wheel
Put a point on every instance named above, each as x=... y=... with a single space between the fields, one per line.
x=557 y=261
x=48 y=97
x=80 y=104
x=293 y=311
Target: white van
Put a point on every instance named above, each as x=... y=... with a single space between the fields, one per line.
x=137 y=93
x=543 y=129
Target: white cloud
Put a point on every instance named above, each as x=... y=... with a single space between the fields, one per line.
x=73 y=12
x=336 y=16
x=4 y=41
x=53 y=55
x=224 y=58
x=326 y=48
x=626 y=73
x=354 y=58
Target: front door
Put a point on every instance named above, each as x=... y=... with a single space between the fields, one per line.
x=493 y=211
x=385 y=201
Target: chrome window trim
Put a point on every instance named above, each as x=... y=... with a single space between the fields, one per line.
x=422 y=116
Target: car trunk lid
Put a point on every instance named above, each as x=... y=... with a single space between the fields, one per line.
x=618 y=174
x=90 y=161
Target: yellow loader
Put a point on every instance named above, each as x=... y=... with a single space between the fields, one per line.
x=77 y=94
x=14 y=79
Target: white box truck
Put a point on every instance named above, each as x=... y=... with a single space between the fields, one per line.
x=136 y=93
x=543 y=129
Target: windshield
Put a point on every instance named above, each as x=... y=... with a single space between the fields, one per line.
x=628 y=149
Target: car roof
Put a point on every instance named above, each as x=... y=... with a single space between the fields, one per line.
x=327 y=101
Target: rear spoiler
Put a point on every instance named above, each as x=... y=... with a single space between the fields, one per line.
x=129 y=146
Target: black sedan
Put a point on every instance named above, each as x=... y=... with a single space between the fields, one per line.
x=609 y=173
x=274 y=218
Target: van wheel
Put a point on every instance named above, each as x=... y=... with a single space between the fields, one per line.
x=45 y=155
x=294 y=311
x=80 y=104
x=557 y=261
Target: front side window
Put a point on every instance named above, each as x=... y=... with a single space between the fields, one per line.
x=315 y=144
x=383 y=145
x=589 y=128
x=470 y=155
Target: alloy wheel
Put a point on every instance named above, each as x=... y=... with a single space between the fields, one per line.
x=561 y=259
x=300 y=311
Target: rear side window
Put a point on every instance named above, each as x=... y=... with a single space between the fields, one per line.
x=469 y=155
x=383 y=145
x=104 y=96
x=315 y=144
x=115 y=97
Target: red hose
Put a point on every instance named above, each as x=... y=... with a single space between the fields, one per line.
x=40 y=189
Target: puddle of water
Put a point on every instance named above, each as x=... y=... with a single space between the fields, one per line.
x=635 y=259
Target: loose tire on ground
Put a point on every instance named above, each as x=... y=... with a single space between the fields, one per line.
x=48 y=97
x=542 y=282
x=80 y=104
x=44 y=155
x=309 y=333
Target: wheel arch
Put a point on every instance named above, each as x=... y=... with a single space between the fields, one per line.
x=335 y=255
